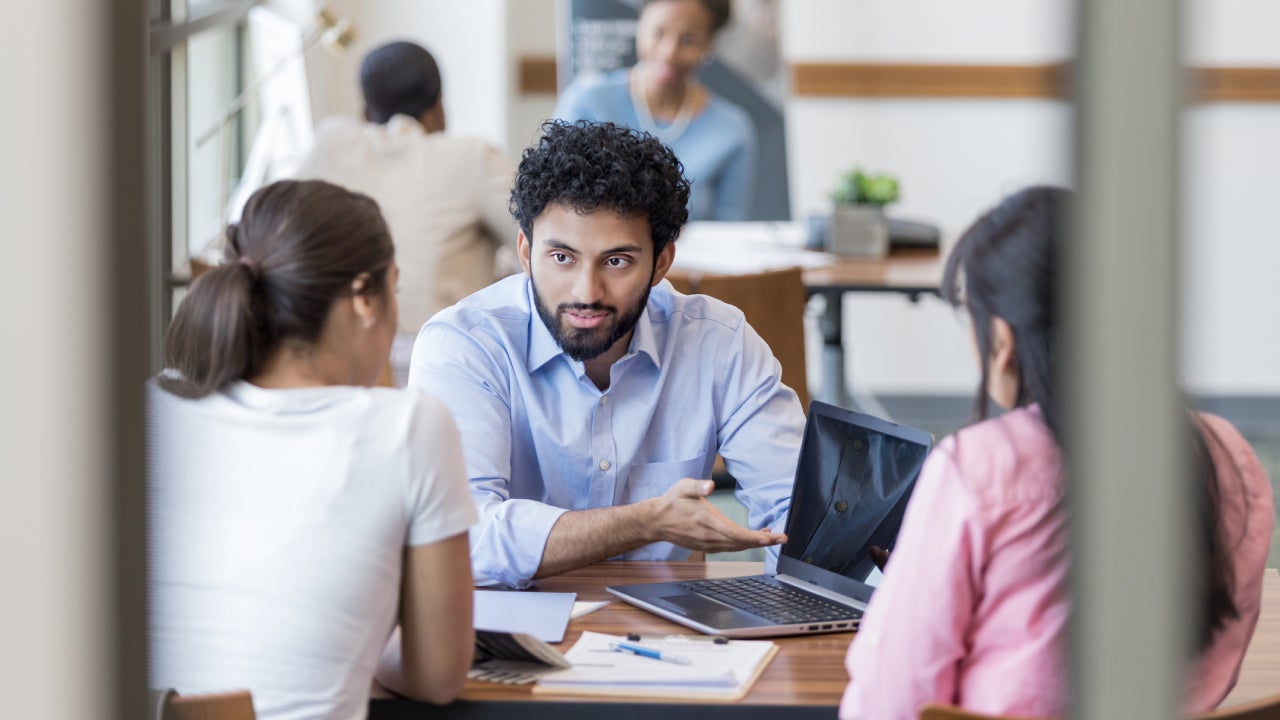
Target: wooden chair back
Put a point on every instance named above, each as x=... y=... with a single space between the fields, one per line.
x=774 y=304
x=222 y=706
x=951 y=712
x=198 y=267
x=385 y=378
x=1265 y=709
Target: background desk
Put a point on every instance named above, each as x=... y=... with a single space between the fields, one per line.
x=807 y=675
x=907 y=272
x=911 y=272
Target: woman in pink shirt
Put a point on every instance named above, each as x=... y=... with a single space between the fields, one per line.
x=974 y=606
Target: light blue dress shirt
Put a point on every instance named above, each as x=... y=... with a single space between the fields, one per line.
x=717 y=148
x=540 y=438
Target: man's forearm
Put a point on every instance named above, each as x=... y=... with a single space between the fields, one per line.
x=582 y=537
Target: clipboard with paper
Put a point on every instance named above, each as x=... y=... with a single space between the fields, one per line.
x=714 y=673
x=512 y=632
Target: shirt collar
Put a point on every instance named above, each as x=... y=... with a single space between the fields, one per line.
x=543 y=347
x=401 y=124
x=643 y=340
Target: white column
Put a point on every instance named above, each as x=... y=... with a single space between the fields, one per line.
x=55 y=506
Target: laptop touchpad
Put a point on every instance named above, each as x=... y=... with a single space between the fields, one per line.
x=704 y=610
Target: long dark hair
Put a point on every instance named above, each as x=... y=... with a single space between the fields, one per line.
x=1005 y=265
x=298 y=248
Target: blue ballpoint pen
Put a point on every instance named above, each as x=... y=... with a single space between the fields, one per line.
x=649 y=653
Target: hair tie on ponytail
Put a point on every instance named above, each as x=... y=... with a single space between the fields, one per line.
x=248 y=262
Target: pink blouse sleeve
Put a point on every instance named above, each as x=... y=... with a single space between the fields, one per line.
x=1246 y=516
x=912 y=639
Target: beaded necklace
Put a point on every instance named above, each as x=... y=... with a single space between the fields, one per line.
x=673 y=131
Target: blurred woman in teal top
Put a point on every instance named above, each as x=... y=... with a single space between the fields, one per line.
x=714 y=139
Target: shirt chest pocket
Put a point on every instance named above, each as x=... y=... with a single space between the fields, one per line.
x=653 y=479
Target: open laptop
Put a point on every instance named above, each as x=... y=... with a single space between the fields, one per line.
x=852 y=483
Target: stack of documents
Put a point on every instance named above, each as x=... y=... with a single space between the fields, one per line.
x=745 y=248
x=701 y=670
x=513 y=658
x=512 y=632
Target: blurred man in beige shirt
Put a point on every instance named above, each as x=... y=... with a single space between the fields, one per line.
x=444 y=198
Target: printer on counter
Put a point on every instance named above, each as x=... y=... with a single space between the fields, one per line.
x=902 y=233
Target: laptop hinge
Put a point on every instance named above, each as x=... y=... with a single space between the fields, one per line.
x=819 y=590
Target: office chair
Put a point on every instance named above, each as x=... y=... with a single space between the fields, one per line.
x=169 y=705
x=1265 y=709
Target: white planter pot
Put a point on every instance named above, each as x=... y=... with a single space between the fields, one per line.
x=859 y=231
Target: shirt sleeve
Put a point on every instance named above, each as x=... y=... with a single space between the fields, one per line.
x=313 y=163
x=912 y=639
x=508 y=542
x=440 y=506
x=573 y=104
x=736 y=184
x=1245 y=521
x=760 y=437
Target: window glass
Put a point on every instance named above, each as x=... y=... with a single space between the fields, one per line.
x=196 y=8
x=213 y=166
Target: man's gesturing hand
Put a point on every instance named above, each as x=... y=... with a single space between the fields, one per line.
x=683 y=516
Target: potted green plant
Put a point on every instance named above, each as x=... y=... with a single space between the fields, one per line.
x=858 y=225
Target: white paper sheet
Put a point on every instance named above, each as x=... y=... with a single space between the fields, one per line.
x=544 y=615
x=744 y=248
x=713 y=669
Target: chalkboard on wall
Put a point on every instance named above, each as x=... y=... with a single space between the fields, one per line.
x=600 y=34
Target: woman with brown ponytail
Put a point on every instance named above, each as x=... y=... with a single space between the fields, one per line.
x=296 y=513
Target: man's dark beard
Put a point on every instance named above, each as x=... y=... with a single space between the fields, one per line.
x=586 y=344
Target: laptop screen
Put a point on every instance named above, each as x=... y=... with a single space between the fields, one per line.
x=853 y=481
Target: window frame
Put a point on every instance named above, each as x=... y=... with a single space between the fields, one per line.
x=171 y=28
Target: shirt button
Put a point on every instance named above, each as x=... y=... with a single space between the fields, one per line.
x=604 y=464
x=842 y=506
x=604 y=400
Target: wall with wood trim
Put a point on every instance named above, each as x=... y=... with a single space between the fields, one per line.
x=960 y=102
x=537 y=76
x=531 y=32
x=867 y=89
x=468 y=40
x=868 y=78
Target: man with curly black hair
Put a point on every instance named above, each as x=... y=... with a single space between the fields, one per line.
x=593 y=398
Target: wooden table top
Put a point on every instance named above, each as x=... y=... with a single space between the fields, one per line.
x=904 y=271
x=808 y=670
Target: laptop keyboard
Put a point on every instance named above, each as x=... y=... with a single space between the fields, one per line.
x=772 y=600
